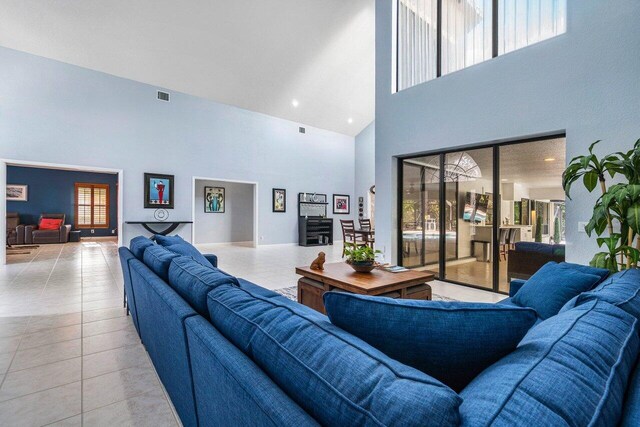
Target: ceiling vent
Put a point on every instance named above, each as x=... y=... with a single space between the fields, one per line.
x=302 y=130
x=163 y=96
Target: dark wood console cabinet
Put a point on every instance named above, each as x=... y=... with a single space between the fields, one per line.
x=315 y=231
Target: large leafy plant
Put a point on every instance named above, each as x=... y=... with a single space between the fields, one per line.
x=618 y=204
x=360 y=254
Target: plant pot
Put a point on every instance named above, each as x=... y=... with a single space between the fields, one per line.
x=363 y=266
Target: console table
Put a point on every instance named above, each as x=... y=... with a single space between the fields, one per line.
x=170 y=225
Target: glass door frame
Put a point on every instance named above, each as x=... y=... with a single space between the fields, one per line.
x=495 y=230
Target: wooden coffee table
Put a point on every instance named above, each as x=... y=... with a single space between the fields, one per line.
x=341 y=277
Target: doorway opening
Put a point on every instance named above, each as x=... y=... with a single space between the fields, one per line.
x=225 y=212
x=461 y=211
x=84 y=202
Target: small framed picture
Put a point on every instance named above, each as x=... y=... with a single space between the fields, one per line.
x=279 y=200
x=158 y=191
x=17 y=193
x=214 y=200
x=341 y=204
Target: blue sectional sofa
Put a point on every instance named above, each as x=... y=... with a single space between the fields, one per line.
x=231 y=353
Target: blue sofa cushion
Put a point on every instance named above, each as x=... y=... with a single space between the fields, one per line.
x=257 y=290
x=335 y=377
x=187 y=249
x=451 y=341
x=621 y=289
x=631 y=409
x=193 y=281
x=138 y=245
x=168 y=240
x=230 y=389
x=551 y=287
x=602 y=273
x=571 y=369
x=158 y=260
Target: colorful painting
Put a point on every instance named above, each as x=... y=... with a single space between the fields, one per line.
x=158 y=191
x=279 y=200
x=214 y=200
x=341 y=204
x=16 y=193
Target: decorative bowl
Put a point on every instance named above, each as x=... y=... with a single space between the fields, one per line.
x=363 y=267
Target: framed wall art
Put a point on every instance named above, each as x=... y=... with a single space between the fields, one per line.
x=214 y=200
x=158 y=191
x=279 y=200
x=341 y=204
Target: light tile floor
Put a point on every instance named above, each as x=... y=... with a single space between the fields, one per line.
x=70 y=356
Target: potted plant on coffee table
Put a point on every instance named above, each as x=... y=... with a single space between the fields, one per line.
x=361 y=258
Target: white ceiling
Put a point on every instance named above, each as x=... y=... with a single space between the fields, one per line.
x=258 y=55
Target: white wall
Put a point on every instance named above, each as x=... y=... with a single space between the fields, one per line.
x=59 y=113
x=584 y=83
x=365 y=163
x=235 y=224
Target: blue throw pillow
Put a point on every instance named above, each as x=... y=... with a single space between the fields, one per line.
x=621 y=289
x=158 y=260
x=138 y=245
x=192 y=281
x=552 y=287
x=603 y=273
x=187 y=249
x=571 y=369
x=451 y=341
x=335 y=377
x=631 y=410
x=168 y=240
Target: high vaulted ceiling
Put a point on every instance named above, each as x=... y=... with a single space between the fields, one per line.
x=259 y=55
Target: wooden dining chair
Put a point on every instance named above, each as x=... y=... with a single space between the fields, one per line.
x=511 y=240
x=365 y=224
x=349 y=237
x=503 y=241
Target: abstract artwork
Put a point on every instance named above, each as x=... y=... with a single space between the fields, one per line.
x=341 y=204
x=279 y=200
x=16 y=193
x=214 y=200
x=158 y=191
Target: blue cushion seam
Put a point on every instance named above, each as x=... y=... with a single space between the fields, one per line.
x=304 y=365
x=613 y=370
x=241 y=384
x=195 y=275
x=543 y=357
x=377 y=359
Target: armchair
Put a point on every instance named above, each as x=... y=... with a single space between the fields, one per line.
x=33 y=233
x=15 y=230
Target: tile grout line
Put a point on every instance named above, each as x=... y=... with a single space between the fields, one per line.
x=81 y=335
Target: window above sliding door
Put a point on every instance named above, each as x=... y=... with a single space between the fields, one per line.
x=437 y=37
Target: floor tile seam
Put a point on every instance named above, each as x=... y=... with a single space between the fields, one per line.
x=42 y=364
x=43 y=390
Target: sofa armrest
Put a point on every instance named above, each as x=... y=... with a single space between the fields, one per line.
x=212 y=259
x=516 y=284
x=64 y=233
x=20 y=234
x=28 y=233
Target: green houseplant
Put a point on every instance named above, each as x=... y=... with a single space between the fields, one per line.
x=617 y=207
x=361 y=258
x=538 y=237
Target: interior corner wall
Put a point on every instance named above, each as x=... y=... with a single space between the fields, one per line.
x=233 y=225
x=365 y=164
x=59 y=113
x=584 y=83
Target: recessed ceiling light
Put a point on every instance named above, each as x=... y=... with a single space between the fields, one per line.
x=550 y=159
x=349 y=120
x=295 y=103
x=504 y=180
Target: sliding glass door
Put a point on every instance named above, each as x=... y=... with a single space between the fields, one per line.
x=462 y=212
x=468 y=180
